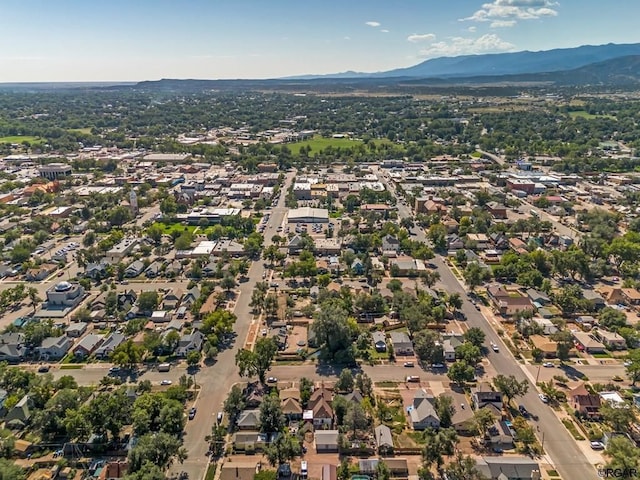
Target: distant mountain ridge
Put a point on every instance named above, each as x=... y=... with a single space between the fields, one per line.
x=512 y=63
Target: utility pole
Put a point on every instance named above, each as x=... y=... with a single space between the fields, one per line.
x=538 y=374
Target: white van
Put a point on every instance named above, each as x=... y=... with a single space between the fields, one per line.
x=303 y=469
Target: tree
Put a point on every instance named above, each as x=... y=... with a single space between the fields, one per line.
x=510 y=387
x=193 y=358
x=525 y=435
x=284 y=449
x=306 y=389
x=427 y=347
x=482 y=419
x=454 y=300
x=612 y=319
x=364 y=384
x=469 y=353
x=34 y=298
x=258 y=361
x=333 y=332
x=228 y=283
x=148 y=471
x=619 y=418
x=459 y=372
x=355 y=418
x=438 y=444
x=11 y=471
x=623 y=455
x=148 y=301
x=382 y=471
x=564 y=341
x=216 y=440
x=234 y=404
x=463 y=467
x=475 y=275
x=271 y=417
x=475 y=336
x=157 y=449
x=345 y=382
x=445 y=410
x=127 y=354
x=633 y=365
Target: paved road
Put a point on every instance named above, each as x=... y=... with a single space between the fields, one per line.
x=562 y=449
x=218 y=379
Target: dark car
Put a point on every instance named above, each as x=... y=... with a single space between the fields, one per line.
x=192 y=413
x=43 y=369
x=523 y=411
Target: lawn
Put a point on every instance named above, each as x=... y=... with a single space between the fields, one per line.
x=21 y=139
x=211 y=472
x=170 y=227
x=86 y=131
x=572 y=429
x=318 y=143
x=587 y=115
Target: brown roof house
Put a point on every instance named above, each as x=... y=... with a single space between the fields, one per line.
x=322 y=413
x=506 y=303
x=548 y=347
x=584 y=402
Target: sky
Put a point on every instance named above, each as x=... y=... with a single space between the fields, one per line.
x=134 y=40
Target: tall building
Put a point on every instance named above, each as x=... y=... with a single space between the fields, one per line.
x=133 y=201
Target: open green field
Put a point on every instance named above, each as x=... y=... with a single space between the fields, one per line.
x=86 y=130
x=587 y=115
x=319 y=143
x=21 y=139
x=179 y=227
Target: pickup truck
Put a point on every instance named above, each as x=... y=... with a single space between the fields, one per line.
x=413 y=379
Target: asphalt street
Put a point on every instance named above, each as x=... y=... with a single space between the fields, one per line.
x=558 y=443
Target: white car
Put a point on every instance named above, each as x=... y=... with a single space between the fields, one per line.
x=548 y=365
x=165 y=382
x=597 y=445
x=544 y=398
x=272 y=380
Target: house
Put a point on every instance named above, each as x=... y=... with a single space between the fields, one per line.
x=160 y=316
x=96 y=271
x=353 y=397
x=37 y=274
x=172 y=299
x=483 y=396
x=548 y=347
x=76 y=329
x=593 y=297
x=422 y=413
x=368 y=465
x=537 y=297
x=191 y=342
x=398 y=467
x=401 y=342
x=508 y=304
x=190 y=296
x=19 y=416
x=612 y=340
x=249 y=420
x=110 y=343
x=584 y=402
x=497 y=210
x=501 y=435
x=291 y=408
x=134 y=269
x=239 y=470
x=390 y=246
x=326 y=441
x=509 y=468
x=587 y=342
x=253 y=394
x=449 y=346
x=88 y=345
x=127 y=299
x=12 y=347
x=54 y=348
x=545 y=325
x=379 y=340
x=384 y=439
x=153 y=270
x=357 y=267
x=454 y=242
x=318 y=404
x=296 y=245
x=251 y=442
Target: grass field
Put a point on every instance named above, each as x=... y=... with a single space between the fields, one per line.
x=587 y=115
x=319 y=143
x=86 y=130
x=21 y=139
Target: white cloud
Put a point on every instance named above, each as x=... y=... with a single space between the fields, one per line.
x=472 y=29
x=501 y=11
x=347 y=38
x=384 y=30
x=503 y=23
x=421 y=37
x=373 y=24
x=467 y=46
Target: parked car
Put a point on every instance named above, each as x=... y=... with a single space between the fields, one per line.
x=548 y=365
x=166 y=382
x=523 y=411
x=408 y=364
x=495 y=347
x=192 y=413
x=272 y=380
x=43 y=369
x=544 y=398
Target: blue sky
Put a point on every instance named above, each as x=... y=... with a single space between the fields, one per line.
x=127 y=40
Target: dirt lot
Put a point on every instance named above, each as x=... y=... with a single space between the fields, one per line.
x=297 y=334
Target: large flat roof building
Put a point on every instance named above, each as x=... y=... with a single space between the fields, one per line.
x=308 y=215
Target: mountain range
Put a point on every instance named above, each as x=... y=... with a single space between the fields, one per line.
x=514 y=63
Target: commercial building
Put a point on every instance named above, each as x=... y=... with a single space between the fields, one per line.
x=64 y=295
x=54 y=171
x=308 y=215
